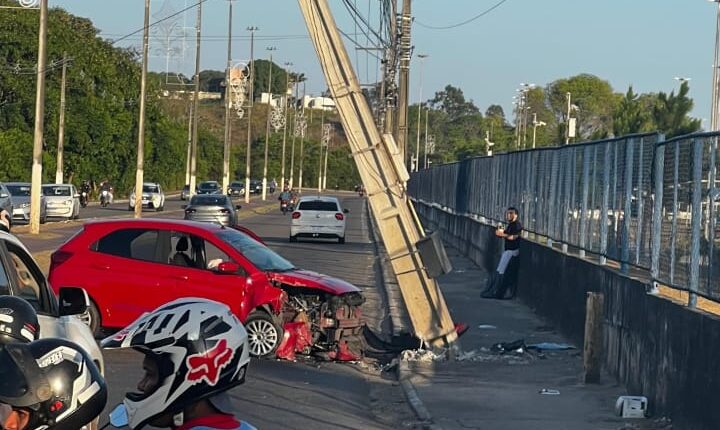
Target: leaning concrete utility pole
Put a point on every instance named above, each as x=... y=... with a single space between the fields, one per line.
x=36 y=186
x=196 y=104
x=226 y=146
x=384 y=175
x=404 y=90
x=141 y=120
x=61 y=124
x=251 y=96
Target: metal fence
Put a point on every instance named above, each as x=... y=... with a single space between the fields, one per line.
x=629 y=199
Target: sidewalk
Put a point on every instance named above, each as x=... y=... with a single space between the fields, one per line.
x=492 y=391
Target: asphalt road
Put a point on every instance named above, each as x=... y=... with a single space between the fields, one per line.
x=280 y=394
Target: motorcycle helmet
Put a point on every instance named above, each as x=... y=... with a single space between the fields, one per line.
x=18 y=321
x=200 y=348
x=55 y=380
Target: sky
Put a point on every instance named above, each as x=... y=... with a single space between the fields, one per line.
x=643 y=43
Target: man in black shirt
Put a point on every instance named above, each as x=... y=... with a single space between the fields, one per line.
x=511 y=235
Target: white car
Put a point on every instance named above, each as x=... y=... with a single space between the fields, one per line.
x=318 y=217
x=21 y=276
x=63 y=200
x=153 y=197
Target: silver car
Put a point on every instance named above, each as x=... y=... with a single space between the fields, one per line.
x=63 y=200
x=215 y=208
x=5 y=200
x=20 y=195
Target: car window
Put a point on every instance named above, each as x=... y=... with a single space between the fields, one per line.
x=150 y=189
x=318 y=205
x=56 y=191
x=259 y=255
x=138 y=244
x=19 y=190
x=31 y=285
x=208 y=200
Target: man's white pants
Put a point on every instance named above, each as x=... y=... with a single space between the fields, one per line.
x=505 y=260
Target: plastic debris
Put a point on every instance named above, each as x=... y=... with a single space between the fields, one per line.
x=550 y=346
x=517 y=346
x=486 y=327
x=421 y=355
x=549 y=392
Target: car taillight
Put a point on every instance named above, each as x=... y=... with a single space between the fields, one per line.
x=339 y=216
x=59 y=257
x=296 y=215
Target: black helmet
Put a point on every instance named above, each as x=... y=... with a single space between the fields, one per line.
x=18 y=321
x=55 y=379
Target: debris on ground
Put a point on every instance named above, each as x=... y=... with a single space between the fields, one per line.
x=422 y=355
x=549 y=392
x=550 y=346
x=486 y=327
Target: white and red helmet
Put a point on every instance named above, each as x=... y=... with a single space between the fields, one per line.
x=201 y=349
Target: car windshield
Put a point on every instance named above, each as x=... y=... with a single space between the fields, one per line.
x=19 y=190
x=209 y=185
x=56 y=191
x=150 y=189
x=209 y=200
x=318 y=205
x=260 y=255
x=236 y=184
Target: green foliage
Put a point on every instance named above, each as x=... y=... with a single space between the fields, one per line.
x=631 y=116
x=262 y=77
x=670 y=113
x=595 y=100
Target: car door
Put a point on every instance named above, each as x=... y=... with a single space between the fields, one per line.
x=200 y=278
x=127 y=269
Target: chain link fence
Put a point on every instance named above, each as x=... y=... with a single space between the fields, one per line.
x=629 y=199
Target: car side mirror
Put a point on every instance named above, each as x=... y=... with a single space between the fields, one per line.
x=228 y=267
x=346 y=211
x=238 y=207
x=73 y=301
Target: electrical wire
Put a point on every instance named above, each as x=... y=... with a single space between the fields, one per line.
x=159 y=21
x=467 y=21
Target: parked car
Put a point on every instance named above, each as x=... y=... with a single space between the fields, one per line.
x=5 y=200
x=20 y=195
x=209 y=187
x=185 y=193
x=236 y=188
x=129 y=267
x=318 y=217
x=153 y=197
x=255 y=186
x=63 y=200
x=21 y=276
x=215 y=208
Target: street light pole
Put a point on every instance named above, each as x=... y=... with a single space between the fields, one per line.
x=267 y=125
x=302 y=147
x=422 y=58
x=287 y=99
x=425 y=165
x=251 y=91
x=139 y=172
x=715 y=108
x=36 y=186
x=196 y=101
x=61 y=124
x=567 y=124
x=228 y=124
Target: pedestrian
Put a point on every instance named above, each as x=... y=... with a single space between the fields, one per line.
x=498 y=282
x=49 y=384
x=194 y=351
x=5 y=221
x=273 y=186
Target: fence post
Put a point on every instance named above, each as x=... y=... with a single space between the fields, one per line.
x=553 y=212
x=627 y=207
x=584 y=204
x=696 y=220
x=712 y=197
x=605 y=206
x=659 y=173
x=673 y=226
x=640 y=200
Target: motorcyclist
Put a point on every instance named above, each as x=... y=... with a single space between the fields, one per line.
x=49 y=384
x=194 y=350
x=107 y=186
x=85 y=192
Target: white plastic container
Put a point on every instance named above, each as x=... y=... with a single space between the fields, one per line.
x=631 y=406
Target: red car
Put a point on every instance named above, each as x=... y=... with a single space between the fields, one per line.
x=129 y=267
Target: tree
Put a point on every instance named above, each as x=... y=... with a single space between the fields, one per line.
x=452 y=101
x=671 y=113
x=631 y=116
x=595 y=103
x=260 y=83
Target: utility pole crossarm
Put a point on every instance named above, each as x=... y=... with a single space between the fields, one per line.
x=383 y=173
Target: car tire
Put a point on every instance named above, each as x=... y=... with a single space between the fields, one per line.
x=264 y=334
x=293 y=239
x=341 y=239
x=92 y=319
x=159 y=209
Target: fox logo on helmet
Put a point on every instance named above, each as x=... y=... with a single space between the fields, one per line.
x=209 y=365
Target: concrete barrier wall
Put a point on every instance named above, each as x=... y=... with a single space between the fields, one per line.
x=654 y=347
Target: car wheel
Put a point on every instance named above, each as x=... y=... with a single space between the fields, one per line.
x=264 y=335
x=293 y=239
x=43 y=220
x=91 y=318
x=341 y=239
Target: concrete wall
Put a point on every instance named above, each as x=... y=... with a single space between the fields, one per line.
x=654 y=347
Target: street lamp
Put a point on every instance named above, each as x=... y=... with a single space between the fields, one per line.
x=715 y=90
x=422 y=58
x=288 y=89
x=251 y=94
x=270 y=49
x=536 y=124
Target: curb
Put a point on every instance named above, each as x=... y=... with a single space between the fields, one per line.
x=403 y=373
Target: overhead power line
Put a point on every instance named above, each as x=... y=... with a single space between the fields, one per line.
x=459 y=24
x=159 y=21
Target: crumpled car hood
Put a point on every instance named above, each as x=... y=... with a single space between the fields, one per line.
x=309 y=279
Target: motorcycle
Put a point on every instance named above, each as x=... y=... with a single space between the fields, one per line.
x=104 y=198
x=83 y=199
x=284 y=206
